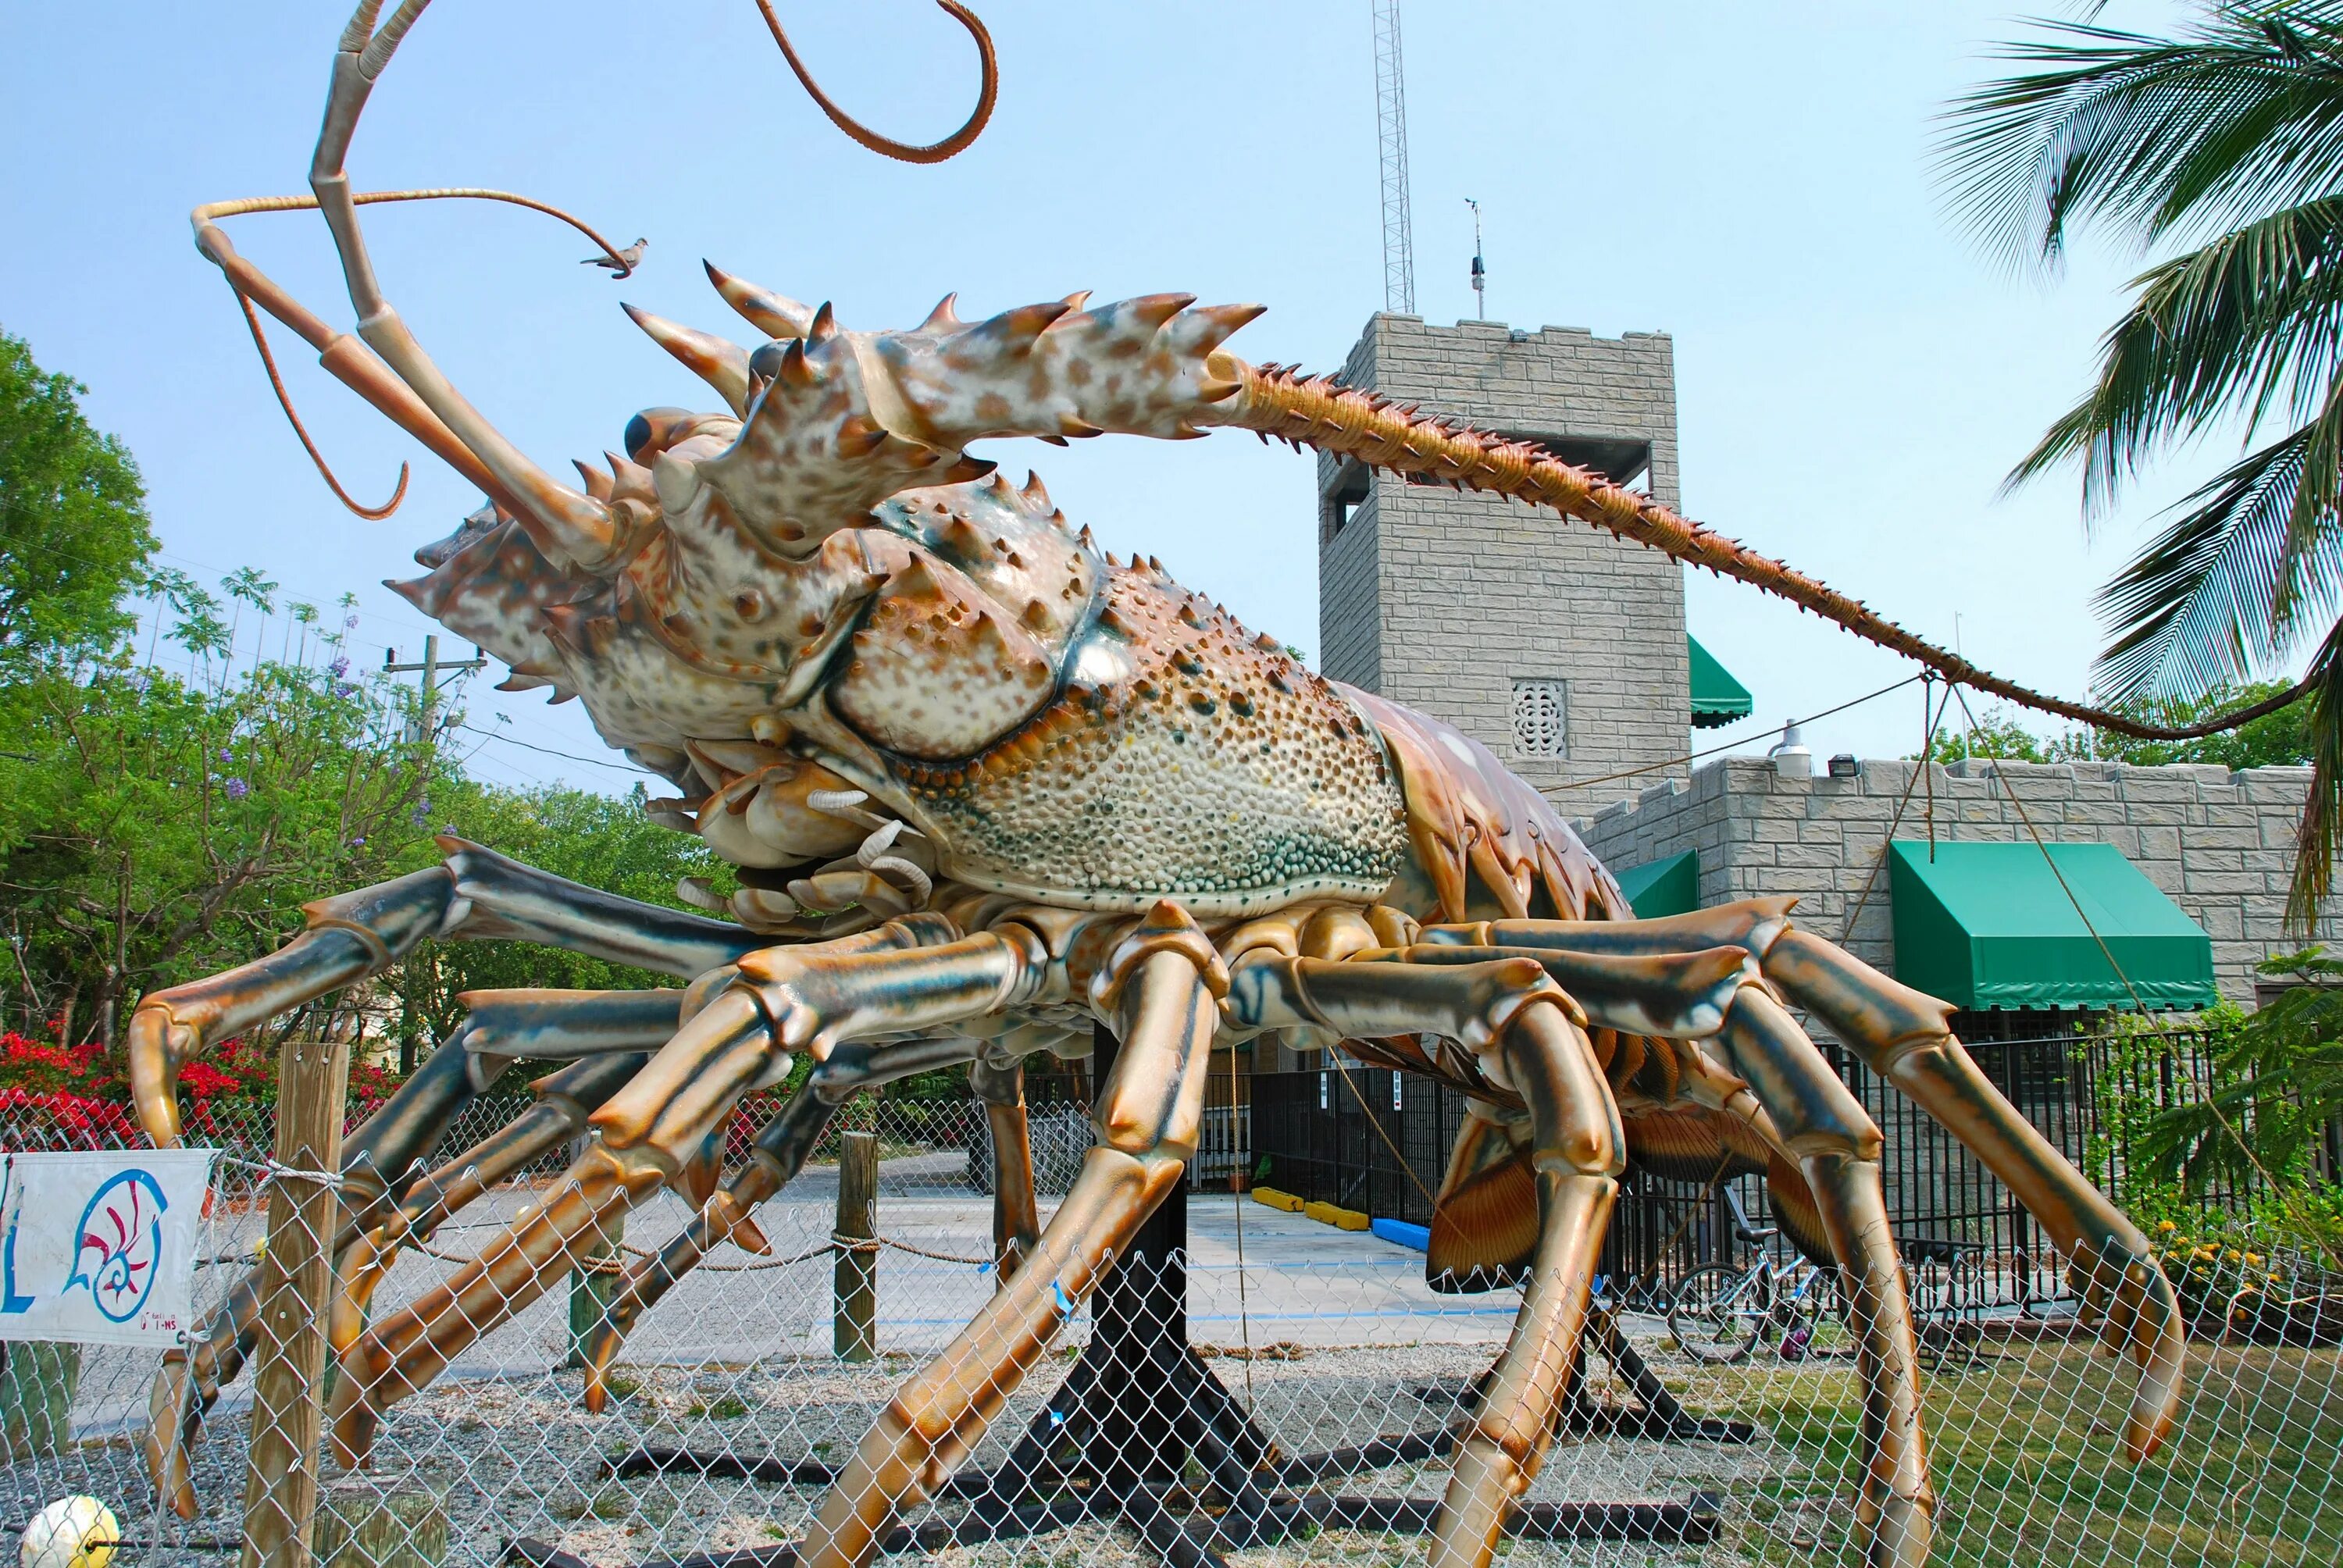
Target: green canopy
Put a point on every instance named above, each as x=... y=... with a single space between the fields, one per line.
x=1992 y=926
x=1669 y=887
x=1716 y=698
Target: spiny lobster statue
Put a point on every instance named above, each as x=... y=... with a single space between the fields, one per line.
x=986 y=787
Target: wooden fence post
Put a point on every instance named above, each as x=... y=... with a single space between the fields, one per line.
x=297 y=1280
x=854 y=1278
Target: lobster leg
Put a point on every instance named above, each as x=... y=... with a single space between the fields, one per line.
x=1530 y=1038
x=1902 y=1036
x=779 y=1153
x=379 y=1162
x=1158 y=988
x=564 y=1100
x=474 y=893
x=1016 y=1218
x=905 y=976
x=1838 y=1148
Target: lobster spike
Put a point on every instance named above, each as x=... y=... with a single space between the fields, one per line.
x=825 y=324
x=1015 y=331
x=597 y=483
x=794 y=369
x=774 y=315
x=1155 y=310
x=631 y=479
x=721 y=364
x=1078 y=298
x=942 y=317
x=1035 y=494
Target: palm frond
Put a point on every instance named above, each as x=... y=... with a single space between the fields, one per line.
x=2321 y=833
x=2245 y=324
x=2241 y=114
x=2191 y=610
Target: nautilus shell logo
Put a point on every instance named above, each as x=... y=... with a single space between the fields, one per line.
x=121 y=1242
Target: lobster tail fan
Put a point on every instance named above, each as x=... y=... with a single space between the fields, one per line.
x=1485 y=1221
x=1796 y=1212
x=1694 y=1145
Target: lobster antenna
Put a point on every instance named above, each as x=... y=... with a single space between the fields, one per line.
x=285 y=401
x=934 y=151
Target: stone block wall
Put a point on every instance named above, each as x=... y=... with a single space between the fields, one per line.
x=2220 y=843
x=1442 y=600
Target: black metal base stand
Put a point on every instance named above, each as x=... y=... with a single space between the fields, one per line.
x=1143 y=1434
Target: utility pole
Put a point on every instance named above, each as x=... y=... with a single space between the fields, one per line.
x=431 y=668
x=1479 y=273
x=1391 y=143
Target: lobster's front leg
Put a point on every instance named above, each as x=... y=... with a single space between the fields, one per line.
x=906 y=977
x=474 y=893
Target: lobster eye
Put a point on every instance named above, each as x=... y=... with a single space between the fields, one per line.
x=654 y=431
x=766 y=362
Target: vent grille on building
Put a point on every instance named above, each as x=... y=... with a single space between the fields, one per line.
x=1539 y=708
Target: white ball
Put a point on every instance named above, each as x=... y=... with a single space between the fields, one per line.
x=71 y=1532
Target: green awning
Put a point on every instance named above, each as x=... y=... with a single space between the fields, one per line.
x=1716 y=698
x=1990 y=926
x=1668 y=887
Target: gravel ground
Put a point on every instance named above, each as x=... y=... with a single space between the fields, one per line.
x=1350 y=1345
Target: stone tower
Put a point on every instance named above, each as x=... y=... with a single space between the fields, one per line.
x=1560 y=648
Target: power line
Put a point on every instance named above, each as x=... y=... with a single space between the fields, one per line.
x=566 y=756
x=1737 y=740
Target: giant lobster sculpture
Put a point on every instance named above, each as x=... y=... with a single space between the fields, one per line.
x=985 y=786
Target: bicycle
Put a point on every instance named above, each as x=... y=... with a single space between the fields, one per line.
x=1722 y=1312
x=1944 y=1282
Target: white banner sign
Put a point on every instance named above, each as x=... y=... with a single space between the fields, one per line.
x=100 y=1249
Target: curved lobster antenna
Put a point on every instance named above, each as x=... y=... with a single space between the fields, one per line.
x=285 y=401
x=567 y=524
x=933 y=152
x=776 y=316
x=721 y=364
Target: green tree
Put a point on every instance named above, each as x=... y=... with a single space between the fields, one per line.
x=2224 y=141
x=603 y=841
x=154 y=830
x=74 y=532
x=1999 y=733
x=2275 y=1090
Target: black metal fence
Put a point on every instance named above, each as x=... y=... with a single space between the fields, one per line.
x=1372 y=1139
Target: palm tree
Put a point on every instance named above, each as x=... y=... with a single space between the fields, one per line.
x=2226 y=139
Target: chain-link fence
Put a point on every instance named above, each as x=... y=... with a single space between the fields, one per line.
x=1253 y=1387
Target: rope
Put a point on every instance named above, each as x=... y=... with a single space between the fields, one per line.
x=837 y=1243
x=1871 y=880
x=1368 y=1112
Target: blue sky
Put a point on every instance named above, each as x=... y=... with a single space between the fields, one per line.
x=1854 y=378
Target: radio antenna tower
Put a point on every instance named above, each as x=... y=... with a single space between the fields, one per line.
x=1480 y=272
x=1391 y=141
